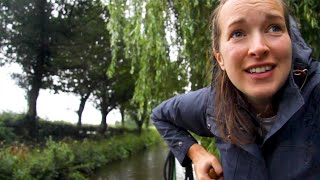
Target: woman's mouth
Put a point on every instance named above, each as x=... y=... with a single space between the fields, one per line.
x=261 y=69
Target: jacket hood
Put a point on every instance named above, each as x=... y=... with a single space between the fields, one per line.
x=301 y=52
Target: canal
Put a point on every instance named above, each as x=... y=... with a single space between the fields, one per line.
x=146 y=165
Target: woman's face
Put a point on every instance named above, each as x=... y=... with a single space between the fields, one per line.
x=255 y=47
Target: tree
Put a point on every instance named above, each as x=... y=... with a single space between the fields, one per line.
x=28 y=43
x=141 y=26
x=54 y=42
x=115 y=91
x=124 y=87
x=138 y=119
x=83 y=51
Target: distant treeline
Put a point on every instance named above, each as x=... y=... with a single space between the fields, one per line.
x=12 y=130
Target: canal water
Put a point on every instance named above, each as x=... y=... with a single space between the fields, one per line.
x=145 y=165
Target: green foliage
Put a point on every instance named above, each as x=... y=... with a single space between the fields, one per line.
x=7 y=162
x=193 y=24
x=210 y=145
x=57 y=129
x=307 y=14
x=70 y=159
x=9 y=116
x=61 y=45
x=12 y=128
x=85 y=55
x=7 y=134
x=55 y=161
x=138 y=35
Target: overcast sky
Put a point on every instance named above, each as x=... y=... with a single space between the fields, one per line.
x=50 y=106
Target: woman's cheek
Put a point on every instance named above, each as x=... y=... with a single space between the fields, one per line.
x=282 y=48
x=236 y=52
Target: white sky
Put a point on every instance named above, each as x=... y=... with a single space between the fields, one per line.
x=49 y=106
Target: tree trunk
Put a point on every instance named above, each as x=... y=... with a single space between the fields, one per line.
x=83 y=101
x=103 y=125
x=139 y=122
x=143 y=119
x=38 y=67
x=31 y=117
x=147 y=121
x=122 y=116
x=104 y=112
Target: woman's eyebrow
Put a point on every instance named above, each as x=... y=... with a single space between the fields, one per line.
x=270 y=16
x=242 y=20
x=236 y=21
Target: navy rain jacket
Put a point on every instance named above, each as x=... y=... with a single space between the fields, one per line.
x=290 y=150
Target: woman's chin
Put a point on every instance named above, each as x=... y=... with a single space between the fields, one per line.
x=262 y=96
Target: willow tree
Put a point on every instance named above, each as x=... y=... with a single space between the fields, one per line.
x=167 y=42
x=142 y=27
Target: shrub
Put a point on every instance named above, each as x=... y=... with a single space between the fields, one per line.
x=69 y=159
x=7 y=164
x=6 y=134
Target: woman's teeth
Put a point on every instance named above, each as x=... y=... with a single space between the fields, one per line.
x=260 y=69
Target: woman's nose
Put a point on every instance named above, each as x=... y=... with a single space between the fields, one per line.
x=258 y=46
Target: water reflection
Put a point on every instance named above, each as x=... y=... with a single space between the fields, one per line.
x=146 y=165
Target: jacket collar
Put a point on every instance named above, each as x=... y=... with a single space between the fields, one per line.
x=291 y=98
x=291 y=101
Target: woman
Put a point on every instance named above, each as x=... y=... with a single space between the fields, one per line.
x=260 y=109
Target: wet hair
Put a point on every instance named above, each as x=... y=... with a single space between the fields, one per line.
x=232 y=112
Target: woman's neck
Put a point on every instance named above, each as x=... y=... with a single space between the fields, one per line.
x=263 y=108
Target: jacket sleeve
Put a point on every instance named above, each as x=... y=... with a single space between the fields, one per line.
x=174 y=117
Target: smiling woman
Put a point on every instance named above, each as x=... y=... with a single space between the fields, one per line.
x=264 y=122
x=255 y=38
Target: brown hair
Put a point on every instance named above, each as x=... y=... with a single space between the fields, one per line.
x=234 y=121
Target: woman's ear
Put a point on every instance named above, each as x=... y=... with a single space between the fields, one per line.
x=219 y=58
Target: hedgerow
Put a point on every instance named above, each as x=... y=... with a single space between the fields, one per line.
x=69 y=159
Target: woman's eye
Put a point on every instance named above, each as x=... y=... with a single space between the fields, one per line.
x=275 y=28
x=237 y=34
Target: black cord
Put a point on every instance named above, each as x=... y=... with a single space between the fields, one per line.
x=189 y=172
x=169 y=167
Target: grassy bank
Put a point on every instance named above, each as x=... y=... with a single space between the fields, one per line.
x=63 y=156
x=69 y=159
